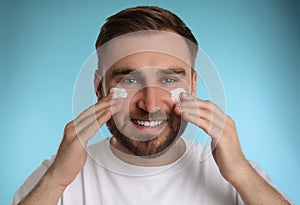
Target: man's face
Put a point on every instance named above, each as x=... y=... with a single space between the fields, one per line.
x=147 y=125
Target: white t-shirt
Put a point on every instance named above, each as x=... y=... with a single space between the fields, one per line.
x=192 y=179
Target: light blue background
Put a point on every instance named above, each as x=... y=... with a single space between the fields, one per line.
x=255 y=46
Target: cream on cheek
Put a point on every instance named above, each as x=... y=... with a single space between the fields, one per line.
x=175 y=93
x=119 y=92
x=119 y=116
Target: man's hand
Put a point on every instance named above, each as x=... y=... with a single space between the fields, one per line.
x=226 y=148
x=227 y=151
x=72 y=154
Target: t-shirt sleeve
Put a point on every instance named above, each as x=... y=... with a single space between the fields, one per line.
x=31 y=181
x=266 y=177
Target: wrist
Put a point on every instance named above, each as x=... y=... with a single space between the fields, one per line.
x=240 y=173
x=54 y=181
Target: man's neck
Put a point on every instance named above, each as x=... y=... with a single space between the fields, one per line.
x=170 y=156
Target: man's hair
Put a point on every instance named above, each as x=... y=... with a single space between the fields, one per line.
x=143 y=18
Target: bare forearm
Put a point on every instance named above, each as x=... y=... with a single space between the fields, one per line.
x=255 y=190
x=46 y=192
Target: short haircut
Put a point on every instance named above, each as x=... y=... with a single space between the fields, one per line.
x=143 y=18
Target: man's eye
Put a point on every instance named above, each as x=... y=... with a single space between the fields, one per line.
x=168 y=80
x=129 y=80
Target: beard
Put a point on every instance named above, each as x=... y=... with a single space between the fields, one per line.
x=148 y=145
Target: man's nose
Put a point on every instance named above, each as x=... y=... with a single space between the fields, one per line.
x=152 y=99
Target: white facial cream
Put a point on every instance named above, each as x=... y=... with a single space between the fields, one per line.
x=176 y=92
x=119 y=92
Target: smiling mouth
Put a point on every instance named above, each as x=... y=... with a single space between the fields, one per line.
x=148 y=123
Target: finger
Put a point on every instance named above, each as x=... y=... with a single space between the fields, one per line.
x=89 y=131
x=177 y=109
x=188 y=105
x=88 y=120
x=101 y=105
x=212 y=127
x=107 y=100
x=201 y=123
x=204 y=114
x=190 y=100
x=112 y=109
x=211 y=117
x=117 y=107
x=98 y=106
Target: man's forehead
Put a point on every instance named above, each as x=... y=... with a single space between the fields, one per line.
x=150 y=59
x=163 y=42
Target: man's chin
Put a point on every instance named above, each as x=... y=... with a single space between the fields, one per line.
x=150 y=149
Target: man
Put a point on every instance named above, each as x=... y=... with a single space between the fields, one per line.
x=146 y=161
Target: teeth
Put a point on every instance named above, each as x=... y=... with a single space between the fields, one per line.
x=149 y=123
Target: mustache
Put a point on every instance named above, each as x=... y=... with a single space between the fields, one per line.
x=157 y=115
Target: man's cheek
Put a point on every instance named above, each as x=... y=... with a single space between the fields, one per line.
x=122 y=118
x=119 y=118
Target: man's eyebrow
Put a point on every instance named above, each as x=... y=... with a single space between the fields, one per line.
x=121 y=71
x=178 y=71
x=127 y=70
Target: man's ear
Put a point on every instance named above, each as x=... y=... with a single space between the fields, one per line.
x=98 y=85
x=194 y=83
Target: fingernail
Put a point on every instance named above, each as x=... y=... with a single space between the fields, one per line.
x=177 y=106
x=183 y=95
